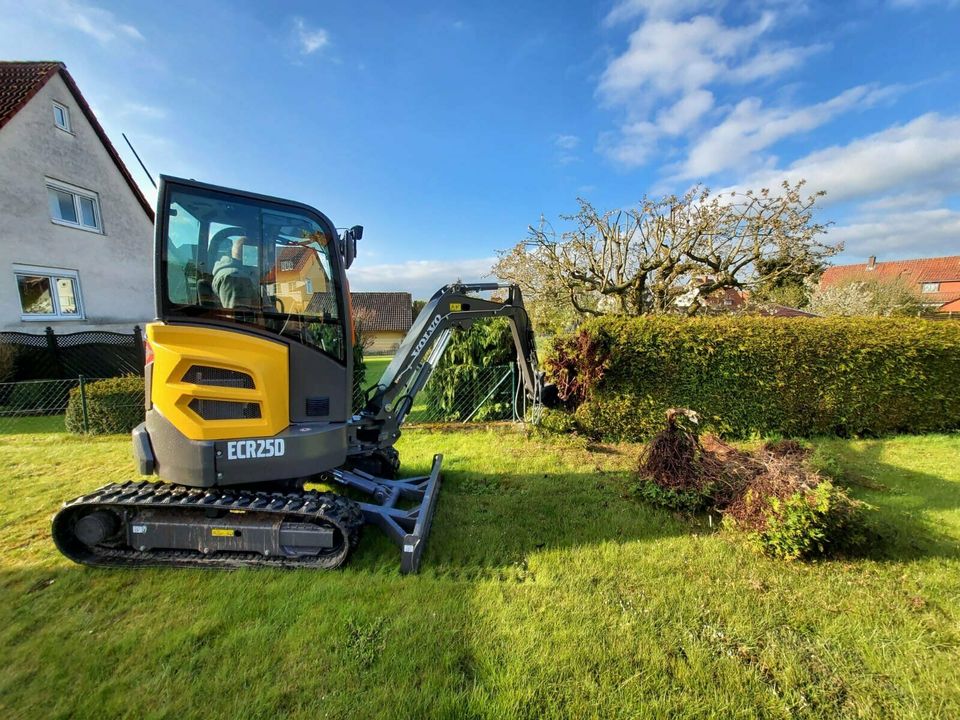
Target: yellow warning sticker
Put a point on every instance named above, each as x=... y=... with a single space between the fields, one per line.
x=221 y=532
x=456 y=307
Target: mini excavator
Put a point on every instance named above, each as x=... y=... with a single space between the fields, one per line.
x=248 y=378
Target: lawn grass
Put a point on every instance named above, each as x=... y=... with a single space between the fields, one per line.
x=546 y=591
x=32 y=424
x=375 y=365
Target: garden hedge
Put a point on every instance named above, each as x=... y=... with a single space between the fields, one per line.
x=114 y=405
x=754 y=375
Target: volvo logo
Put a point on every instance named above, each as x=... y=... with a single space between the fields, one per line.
x=426 y=337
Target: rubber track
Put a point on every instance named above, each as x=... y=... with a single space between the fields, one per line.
x=327 y=509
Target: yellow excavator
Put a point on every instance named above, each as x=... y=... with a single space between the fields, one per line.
x=248 y=377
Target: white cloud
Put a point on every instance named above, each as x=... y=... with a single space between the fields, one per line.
x=685 y=112
x=750 y=127
x=93 y=21
x=678 y=62
x=890 y=236
x=629 y=9
x=310 y=39
x=665 y=58
x=917 y=4
x=566 y=145
x=770 y=62
x=150 y=112
x=421 y=278
x=921 y=156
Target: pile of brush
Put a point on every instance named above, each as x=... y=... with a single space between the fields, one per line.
x=773 y=494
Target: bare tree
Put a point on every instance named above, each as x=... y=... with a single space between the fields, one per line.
x=667 y=255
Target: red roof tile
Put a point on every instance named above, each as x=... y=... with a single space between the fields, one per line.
x=292 y=258
x=20 y=81
x=913 y=272
x=383 y=311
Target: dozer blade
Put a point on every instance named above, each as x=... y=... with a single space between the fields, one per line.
x=408 y=528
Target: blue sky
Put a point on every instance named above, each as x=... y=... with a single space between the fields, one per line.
x=446 y=129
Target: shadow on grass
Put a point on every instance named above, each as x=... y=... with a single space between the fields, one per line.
x=901 y=527
x=490 y=522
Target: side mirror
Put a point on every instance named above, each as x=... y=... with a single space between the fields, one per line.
x=348 y=244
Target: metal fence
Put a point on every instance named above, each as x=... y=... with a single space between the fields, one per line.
x=457 y=395
x=42 y=406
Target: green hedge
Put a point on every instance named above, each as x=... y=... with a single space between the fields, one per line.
x=751 y=375
x=113 y=406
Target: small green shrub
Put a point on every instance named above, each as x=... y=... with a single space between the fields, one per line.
x=686 y=501
x=811 y=522
x=114 y=406
x=557 y=421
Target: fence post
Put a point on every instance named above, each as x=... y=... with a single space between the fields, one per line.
x=138 y=339
x=83 y=405
x=54 y=351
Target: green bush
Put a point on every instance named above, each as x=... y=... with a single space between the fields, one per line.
x=690 y=500
x=556 y=421
x=753 y=375
x=809 y=523
x=114 y=405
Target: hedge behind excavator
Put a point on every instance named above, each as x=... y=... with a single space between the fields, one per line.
x=248 y=398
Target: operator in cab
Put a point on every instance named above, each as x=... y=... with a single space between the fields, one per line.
x=233 y=282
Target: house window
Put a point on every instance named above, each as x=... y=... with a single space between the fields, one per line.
x=48 y=293
x=930 y=287
x=61 y=116
x=73 y=206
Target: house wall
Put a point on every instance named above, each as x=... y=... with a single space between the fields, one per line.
x=115 y=268
x=385 y=343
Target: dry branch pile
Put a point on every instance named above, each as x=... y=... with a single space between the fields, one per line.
x=772 y=494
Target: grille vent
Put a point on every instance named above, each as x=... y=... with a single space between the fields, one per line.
x=224 y=409
x=318 y=406
x=220 y=377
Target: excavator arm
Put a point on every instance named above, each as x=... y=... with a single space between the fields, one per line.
x=451 y=307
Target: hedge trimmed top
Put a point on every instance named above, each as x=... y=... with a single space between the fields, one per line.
x=755 y=375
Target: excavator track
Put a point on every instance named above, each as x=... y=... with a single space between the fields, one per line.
x=133 y=506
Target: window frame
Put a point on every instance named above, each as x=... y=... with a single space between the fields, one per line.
x=168 y=311
x=925 y=288
x=77 y=193
x=52 y=274
x=66 y=115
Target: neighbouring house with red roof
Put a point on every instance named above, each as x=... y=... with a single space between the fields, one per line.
x=936 y=280
x=76 y=233
x=385 y=318
x=301 y=279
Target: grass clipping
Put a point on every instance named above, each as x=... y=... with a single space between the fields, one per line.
x=783 y=505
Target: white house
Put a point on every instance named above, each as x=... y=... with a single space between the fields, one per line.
x=76 y=233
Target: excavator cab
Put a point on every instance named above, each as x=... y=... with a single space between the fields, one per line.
x=248 y=380
x=252 y=342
